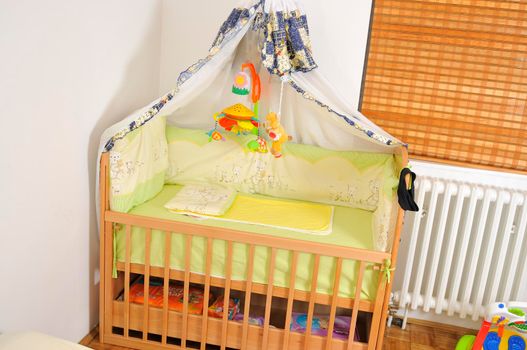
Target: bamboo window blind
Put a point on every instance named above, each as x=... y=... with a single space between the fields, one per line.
x=449 y=77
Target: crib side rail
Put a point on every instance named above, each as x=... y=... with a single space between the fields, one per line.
x=209 y=330
x=371 y=256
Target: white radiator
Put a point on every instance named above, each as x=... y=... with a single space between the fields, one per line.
x=467 y=246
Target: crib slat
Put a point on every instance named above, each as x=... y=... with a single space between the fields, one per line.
x=184 y=323
x=226 y=296
x=269 y=298
x=146 y=290
x=377 y=310
x=290 y=300
x=334 y=299
x=166 y=282
x=127 y=281
x=248 y=293
x=312 y=296
x=356 y=302
x=206 y=296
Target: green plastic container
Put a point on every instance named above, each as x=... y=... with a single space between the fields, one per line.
x=466 y=342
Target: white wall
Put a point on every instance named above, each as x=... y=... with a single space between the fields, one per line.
x=189 y=27
x=339 y=32
x=68 y=70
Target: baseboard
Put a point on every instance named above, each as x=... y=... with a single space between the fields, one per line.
x=90 y=336
x=441 y=326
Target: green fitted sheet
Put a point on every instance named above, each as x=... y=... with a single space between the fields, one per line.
x=351 y=228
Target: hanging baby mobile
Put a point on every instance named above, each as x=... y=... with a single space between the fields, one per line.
x=238 y=118
x=241 y=120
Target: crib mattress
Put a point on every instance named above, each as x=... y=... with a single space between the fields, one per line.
x=351 y=228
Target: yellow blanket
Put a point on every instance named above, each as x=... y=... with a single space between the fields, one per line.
x=292 y=215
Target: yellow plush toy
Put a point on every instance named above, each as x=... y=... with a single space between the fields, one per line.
x=276 y=132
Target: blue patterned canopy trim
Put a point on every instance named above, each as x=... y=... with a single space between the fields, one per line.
x=237 y=15
x=286 y=47
x=369 y=133
x=143 y=119
x=234 y=23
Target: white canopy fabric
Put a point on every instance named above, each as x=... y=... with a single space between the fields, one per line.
x=274 y=36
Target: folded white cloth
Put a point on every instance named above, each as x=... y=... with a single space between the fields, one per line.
x=202 y=199
x=35 y=341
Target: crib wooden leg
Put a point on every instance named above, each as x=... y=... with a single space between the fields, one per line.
x=101 y=285
x=383 y=316
x=395 y=251
x=376 y=319
x=105 y=233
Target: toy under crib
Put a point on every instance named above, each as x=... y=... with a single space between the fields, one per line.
x=504 y=327
x=319 y=323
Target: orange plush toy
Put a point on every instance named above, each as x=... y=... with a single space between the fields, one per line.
x=276 y=132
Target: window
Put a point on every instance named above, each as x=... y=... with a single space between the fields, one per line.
x=450 y=79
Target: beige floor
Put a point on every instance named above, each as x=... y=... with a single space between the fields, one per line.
x=424 y=337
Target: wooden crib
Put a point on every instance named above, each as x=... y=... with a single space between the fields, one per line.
x=143 y=326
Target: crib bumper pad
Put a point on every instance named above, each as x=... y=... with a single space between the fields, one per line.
x=202 y=199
